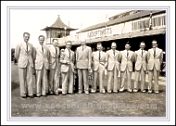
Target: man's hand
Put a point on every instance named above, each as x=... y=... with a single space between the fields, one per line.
x=90 y=70
x=68 y=62
x=106 y=72
x=146 y=72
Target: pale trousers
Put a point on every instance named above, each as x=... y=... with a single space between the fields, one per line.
x=139 y=74
x=42 y=82
x=54 y=79
x=67 y=82
x=26 y=81
x=83 y=79
x=99 y=77
x=153 y=73
x=126 y=75
x=113 y=80
x=51 y=79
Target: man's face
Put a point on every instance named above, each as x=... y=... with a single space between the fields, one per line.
x=127 y=46
x=99 y=47
x=26 y=37
x=83 y=43
x=68 y=45
x=142 y=46
x=41 y=40
x=55 y=42
x=154 y=44
x=113 y=47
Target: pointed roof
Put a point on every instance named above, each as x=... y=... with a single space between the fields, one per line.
x=58 y=24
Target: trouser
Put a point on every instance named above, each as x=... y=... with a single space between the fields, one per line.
x=126 y=75
x=138 y=74
x=67 y=82
x=26 y=81
x=153 y=73
x=51 y=79
x=83 y=79
x=54 y=79
x=113 y=80
x=42 y=82
x=98 y=76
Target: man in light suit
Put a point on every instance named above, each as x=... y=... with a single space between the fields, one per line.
x=127 y=58
x=113 y=67
x=54 y=67
x=42 y=67
x=99 y=60
x=83 y=64
x=24 y=53
x=140 y=67
x=154 y=58
x=67 y=69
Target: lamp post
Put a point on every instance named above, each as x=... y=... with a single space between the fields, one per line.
x=65 y=28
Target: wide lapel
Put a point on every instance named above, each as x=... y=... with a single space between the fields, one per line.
x=67 y=53
x=29 y=48
x=112 y=53
x=115 y=55
x=53 y=50
x=101 y=55
x=140 y=51
x=126 y=54
x=156 y=52
x=81 y=50
x=24 y=46
x=40 y=49
x=153 y=52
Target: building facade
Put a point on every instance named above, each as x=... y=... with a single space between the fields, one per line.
x=134 y=26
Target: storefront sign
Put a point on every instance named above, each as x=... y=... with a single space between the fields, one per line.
x=99 y=32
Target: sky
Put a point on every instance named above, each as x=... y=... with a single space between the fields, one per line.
x=33 y=20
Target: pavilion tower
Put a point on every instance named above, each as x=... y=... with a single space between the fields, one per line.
x=57 y=30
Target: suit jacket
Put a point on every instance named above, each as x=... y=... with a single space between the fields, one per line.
x=83 y=57
x=42 y=57
x=113 y=60
x=54 y=56
x=126 y=61
x=154 y=61
x=65 y=58
x=96 y=61
x=140 y=60
x=25 y=55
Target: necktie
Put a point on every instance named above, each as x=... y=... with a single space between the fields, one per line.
x=127 y=53
x=26 y=47
x=82 y=48
x=114 y=52
x=56 y=51
x=142 y=53
x=42 y=48
x=69 y=53
x=154 y=49
x=99 y=55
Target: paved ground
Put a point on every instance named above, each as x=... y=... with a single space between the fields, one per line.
x=121 y=104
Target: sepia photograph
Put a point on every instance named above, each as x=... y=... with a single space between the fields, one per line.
x=89 y=72
x=88 y=61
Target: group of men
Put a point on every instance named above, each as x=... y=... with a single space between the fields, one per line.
x=48 y=63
